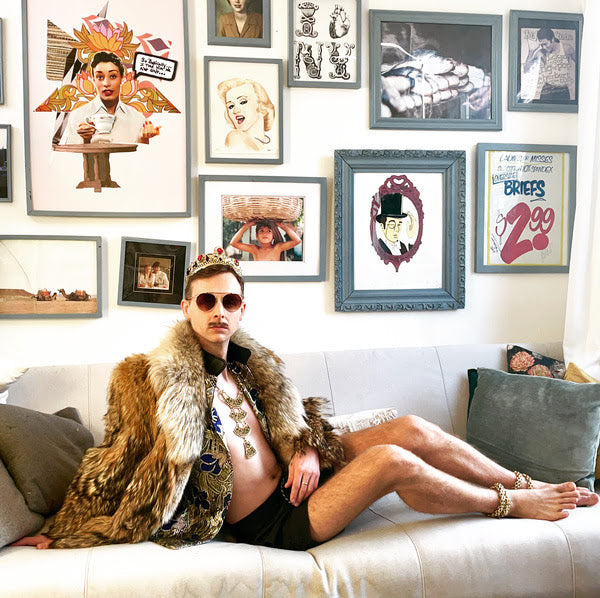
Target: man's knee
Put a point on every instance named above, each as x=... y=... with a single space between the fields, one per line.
x=418 y=433
x=393 y=464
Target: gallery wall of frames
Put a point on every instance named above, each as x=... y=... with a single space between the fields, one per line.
x=389 y=175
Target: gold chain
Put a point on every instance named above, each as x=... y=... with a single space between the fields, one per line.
x=238 y=415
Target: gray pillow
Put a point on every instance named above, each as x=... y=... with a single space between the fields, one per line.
x=41 y=452
x=545 y=427
x=16 y=520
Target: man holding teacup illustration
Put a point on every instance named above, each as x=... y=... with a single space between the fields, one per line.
x=107 y=119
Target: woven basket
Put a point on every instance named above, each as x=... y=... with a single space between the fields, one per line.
x=286 y=208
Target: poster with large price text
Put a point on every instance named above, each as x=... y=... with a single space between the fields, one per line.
x=526 y=196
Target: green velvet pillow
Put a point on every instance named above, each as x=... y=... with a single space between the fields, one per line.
x=41 y=452
x=545 y=427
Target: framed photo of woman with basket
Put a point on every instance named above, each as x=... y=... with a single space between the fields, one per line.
x=275 y=226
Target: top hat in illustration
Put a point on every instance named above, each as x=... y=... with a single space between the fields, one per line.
x=391 y=206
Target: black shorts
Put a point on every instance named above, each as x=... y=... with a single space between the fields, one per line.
x=276 y=523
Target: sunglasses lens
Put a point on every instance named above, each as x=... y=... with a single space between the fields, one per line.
x=206 y=301
x=232 y=302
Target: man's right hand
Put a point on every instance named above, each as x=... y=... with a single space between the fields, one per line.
x=41 y=542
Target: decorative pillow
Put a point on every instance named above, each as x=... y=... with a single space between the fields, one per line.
x=41 y=452
x=360 y=420
x=16 y=520
x=523 y=361
x=547 y=428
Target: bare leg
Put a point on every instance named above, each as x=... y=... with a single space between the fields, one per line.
x=441 y=450
x=386 y=468
x=41 y=541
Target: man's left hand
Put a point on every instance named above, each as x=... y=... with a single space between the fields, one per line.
x=303 y=475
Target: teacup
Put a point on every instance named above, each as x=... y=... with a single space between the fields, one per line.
x=103 y=123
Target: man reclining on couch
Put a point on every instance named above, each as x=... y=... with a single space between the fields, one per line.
x=211 y=401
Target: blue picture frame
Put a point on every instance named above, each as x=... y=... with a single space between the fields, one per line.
x=449 y=167
x=543 y=177
x=457 y=86
x=528 y=87
x=215 y=39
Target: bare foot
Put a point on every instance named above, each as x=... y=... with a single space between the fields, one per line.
x=41 y=542
x=551 y=502
x=586 y=498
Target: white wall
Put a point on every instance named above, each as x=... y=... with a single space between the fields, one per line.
x=292 y=317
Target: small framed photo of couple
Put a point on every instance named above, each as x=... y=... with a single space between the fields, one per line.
x=50 y=276
x=324 y=43
x=275 y=226
x=544 y=61
x=243 y=99
x=239 y=23
x=152 y=272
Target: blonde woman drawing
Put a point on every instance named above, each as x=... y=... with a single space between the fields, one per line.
x=249 y=111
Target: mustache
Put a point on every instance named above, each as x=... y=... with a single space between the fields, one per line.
x=218 y=325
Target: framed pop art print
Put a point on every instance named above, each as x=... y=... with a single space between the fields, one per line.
x=324 y=43
x=239 y=23
x=275 y=226
x=243 y=99
x=50 y=276
x=152 y=272
x=399 y=230
x=432 y=70
x=544 y=54
x=525 y=207
x=106 y=108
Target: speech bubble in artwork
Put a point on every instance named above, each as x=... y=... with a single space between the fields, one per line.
x=154 y=66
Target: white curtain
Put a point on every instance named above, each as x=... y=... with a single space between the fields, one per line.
x=582 y=325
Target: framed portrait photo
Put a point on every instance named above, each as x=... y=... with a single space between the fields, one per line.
x=544 y=56
x=275 y=226
x=324 y=43
x=50 y=276
x=399 y=230
x=5 y=164
x=432 y=70
x=152 y=272
x=525 y=207
x=106 y=108
x=243 y=99
x=239 y=23
x=1 y=64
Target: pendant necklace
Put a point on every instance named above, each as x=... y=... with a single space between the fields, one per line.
x=238 y=415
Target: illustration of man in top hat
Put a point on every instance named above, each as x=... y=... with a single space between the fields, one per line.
x=391 y=219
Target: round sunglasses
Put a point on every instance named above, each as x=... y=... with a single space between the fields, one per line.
x=230 y=301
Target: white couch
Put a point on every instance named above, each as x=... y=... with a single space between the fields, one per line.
x=389 y=550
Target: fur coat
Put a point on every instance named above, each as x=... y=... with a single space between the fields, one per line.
x=158 y=429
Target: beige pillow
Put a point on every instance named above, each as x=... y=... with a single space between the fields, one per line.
x=353 y=422
x=575 y=374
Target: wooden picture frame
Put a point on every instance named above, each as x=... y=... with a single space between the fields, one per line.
x=257 y=138
x=525 y=207
x=399 y=230
x=432 y=70
x=135 y=163
x=324 y=44
x=50 y=276
x=544 y=59
x=5 y=164
x=293 y=208
x=223 y=30
x=152 y=272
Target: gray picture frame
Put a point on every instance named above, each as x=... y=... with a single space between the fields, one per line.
x=320 y=245
x=97 y=241
x=379 y=120
x=483 y=207
x=33 y=211
x=317 y=37
x=130 y=294
x=212 y=153
x=451 y=165
x=217 y=40
x=6 y=196
x=521 y=19
x=1 y=62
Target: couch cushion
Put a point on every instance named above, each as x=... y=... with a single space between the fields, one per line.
x=41 y=452
x=360 y=420
x=16 y=520
x=520 y=360
x=544 y=427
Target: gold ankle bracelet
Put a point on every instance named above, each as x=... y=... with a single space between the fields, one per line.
x=519 y=481
x=504 y=504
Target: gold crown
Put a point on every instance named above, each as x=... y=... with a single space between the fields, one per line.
x=212 y=259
